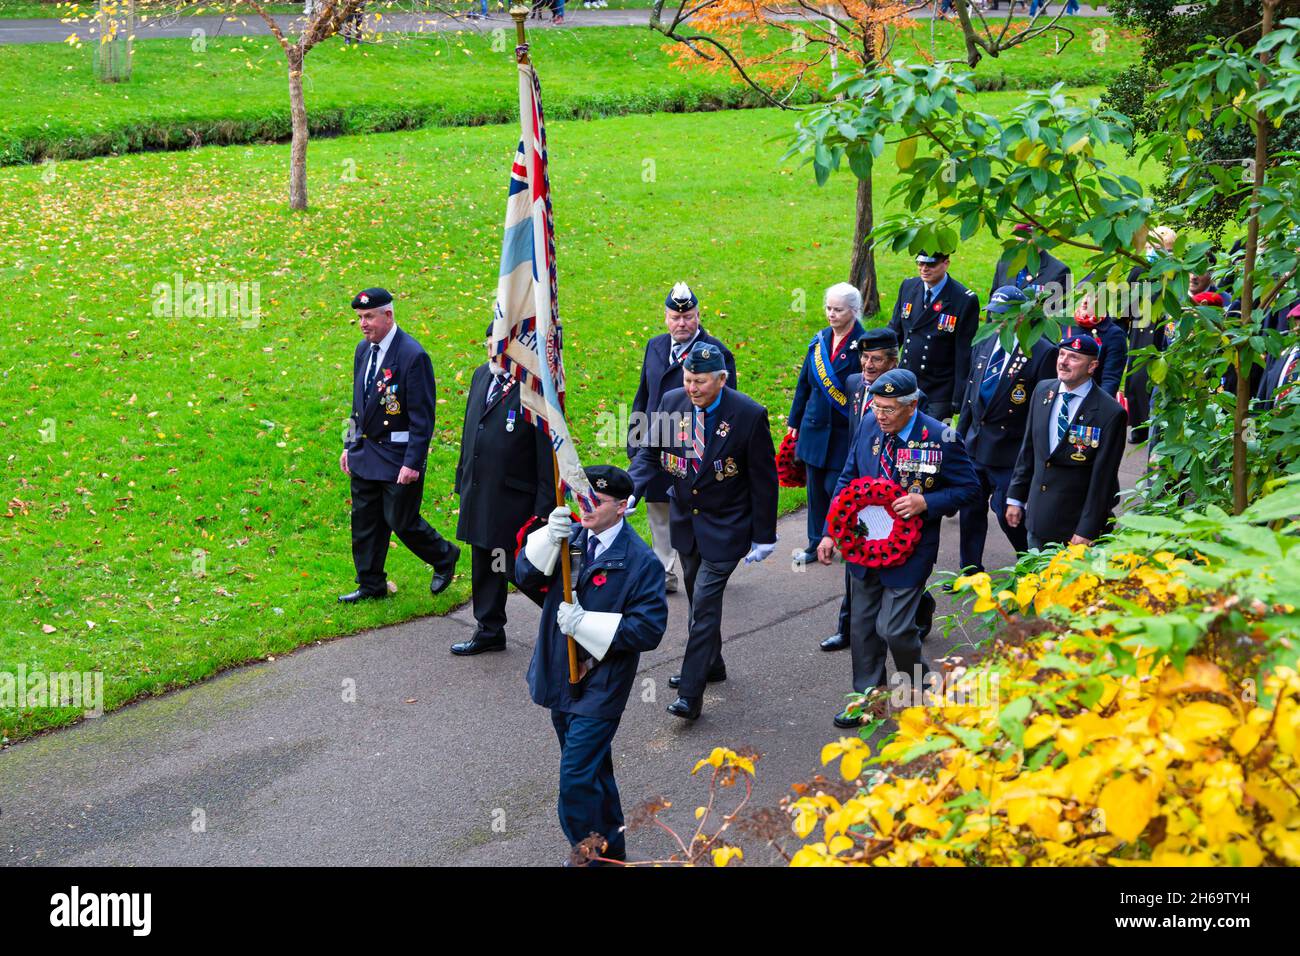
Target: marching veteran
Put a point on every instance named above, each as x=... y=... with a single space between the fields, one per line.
x=723 y=493
x=393 y=405
x=619 y=610
x=909 y=447
x=822 y=410
x=1066 y=480
x=661 y=371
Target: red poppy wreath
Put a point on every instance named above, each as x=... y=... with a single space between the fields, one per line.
x=790 y=471
x=850 y=534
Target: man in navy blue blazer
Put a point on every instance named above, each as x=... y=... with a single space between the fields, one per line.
x=721 y=466
x=927 y=459
x=661 y=371
x=386 y=450
x=618 y=611
x=822 y=410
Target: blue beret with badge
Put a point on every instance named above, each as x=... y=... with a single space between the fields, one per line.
x=1082 y=343
x=895 y=383
x=704 y=357
x=875 y=339
x=681 y=298
x=372 y=299
x=1005 y=298
x=610 y=480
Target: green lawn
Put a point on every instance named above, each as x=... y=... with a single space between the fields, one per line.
x=34 y=9
x=143 y=450
x=234 y=91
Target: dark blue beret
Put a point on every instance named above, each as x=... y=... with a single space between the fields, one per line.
x=371 y=299
x=610 y=480
x=704 y=357
x=1081 y=342
x=681 y=298
x=1004 y=297
x=894 y=383
x=874 y=339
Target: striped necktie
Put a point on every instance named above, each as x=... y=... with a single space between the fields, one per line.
x=1063 y=419
x=698 y=439
x=373 y=368
x=887 y=459
x=992 y=375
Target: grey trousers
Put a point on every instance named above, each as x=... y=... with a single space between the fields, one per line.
x=656 y=513
x=884 y=619
x=706 y=581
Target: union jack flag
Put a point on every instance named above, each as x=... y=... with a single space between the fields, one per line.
x=527 y=339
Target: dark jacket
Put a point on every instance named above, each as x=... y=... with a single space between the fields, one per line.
x=993 y=433
x=632 y=584
x=660 y=374
x=505 y=474
x=935 y=344
x=1266 y=396
x=824 y=430
x=393 y=424
x=1064 y=496
x=859 y=401
x=731 y=502
x=954 y=487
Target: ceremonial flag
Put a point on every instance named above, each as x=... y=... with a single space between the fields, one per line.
x=526 y=333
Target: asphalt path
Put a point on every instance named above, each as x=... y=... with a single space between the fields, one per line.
x=52 y=31
x=437 y=759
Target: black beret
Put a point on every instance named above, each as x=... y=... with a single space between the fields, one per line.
x=371 y=299
x=1081 y=342
x=874 y=339
x=704 y=357
x=610 y=480
x=894 y=383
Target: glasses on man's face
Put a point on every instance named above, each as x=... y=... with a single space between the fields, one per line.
x=885 y=411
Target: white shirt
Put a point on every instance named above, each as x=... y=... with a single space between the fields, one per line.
x=673 y=347
x=1082 y=392
x=384 y=343
x=606 y=538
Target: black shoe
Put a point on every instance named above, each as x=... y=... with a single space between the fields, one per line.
x=1139 y=435
x=713 y=677
x=807 y=556
x=360 y=594
x=686 y=708
x=479 y=644
x=442 y=578
x=845 y=722
x=836 y=642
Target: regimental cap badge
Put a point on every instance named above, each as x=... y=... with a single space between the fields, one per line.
x=705 y=353
x=602 y=483
x=681 y=298
x=1077 y=344
x=365 y=299
x=889 y=388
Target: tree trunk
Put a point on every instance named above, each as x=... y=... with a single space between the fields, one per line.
x=862 y=267
x=298 y=145
x=1239 y=475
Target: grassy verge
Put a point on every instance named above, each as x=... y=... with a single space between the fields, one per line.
x=34 y=9
x=174 y=502
x=233 y=90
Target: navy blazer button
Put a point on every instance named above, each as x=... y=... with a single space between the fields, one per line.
x=695 y=511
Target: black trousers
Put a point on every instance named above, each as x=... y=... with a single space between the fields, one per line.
x=381 y=509
x=491 y=571
x=706 y=581
x=975 y=518
x=821 y=484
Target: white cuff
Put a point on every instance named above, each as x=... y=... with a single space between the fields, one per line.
x=1018 y=504
x=596 y=630
x=541 y=551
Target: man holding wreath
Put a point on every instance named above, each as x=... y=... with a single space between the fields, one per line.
x=935 y=479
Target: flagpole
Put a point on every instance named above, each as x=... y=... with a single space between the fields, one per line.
x=519 y=14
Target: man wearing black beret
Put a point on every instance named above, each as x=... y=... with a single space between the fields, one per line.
x=723 y=492
x=661 y=371
x=386 y=450
x=1066 y=480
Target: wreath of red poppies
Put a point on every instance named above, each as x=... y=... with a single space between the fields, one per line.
x=790 y=471
x=849 y=534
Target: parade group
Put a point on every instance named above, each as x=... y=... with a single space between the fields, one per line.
x=944 y=425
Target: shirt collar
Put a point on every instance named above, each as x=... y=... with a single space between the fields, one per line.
x=686 y=346
x=934 y=291
x=716 y=402
x=387 y=340
x=906 y=431
x=1082 y=390
x=606 y=537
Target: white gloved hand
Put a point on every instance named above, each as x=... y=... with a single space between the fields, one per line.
x=559 y=525
x=568 y=616
x=759 y=552
x=631 y=505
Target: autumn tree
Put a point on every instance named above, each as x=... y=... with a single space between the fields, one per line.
x=788 y=51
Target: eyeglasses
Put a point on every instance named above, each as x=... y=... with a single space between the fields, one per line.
x=888 y=411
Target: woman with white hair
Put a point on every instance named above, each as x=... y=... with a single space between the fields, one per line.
x=820 y=413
